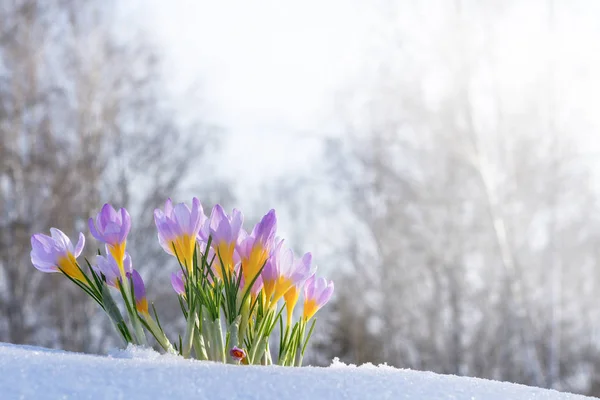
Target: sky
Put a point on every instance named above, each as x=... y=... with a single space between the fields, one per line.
x=267 y=72
x=271 y=74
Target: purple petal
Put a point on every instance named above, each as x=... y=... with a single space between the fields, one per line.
x=197 y=216
x=42 y=264
x=204 y=231
x=223 y=232
x=165 y=244
x=168 y=207
x=109 y=268
x=245 y=247
x=93 y=231
x=183 y=218
x=127 y=263
x=61 y=240
x=79 y=246
x=242 y=235
x=307 y=259
x=177 y=282
x=216 y=216
x=258 y=285
x=286 y=262
x=41 y=242
x=319 y=285
x=237 y=219
x=165 y=234
x=159 y=215
x=325 y=295
x=139 y=289
x=107 y=214
x=309 y=287
x=125 y=225
x=43 y=253
x=271 y=270
x=264 y=231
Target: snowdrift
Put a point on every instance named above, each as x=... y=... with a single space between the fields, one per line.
x=36 y=373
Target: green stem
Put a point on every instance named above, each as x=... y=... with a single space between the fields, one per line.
x=189 y=335
x=259 y=350
x=199 y=347
x=159 y=335
x=268 y=359
x=243 y=324
x=111 y=309
x=218 y=333
x=232 y=336
x=139 y=330
x=299 y=353
x=208 y=336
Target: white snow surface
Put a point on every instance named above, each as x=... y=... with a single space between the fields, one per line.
x=28 y=372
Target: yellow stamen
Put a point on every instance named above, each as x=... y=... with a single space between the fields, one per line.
x=282 y=286
x=252 y=265
x=225 y=252
x=269 y=289
x=291 y=298
x=184 y=247
x=68 y=265
x=142 y=306
x=310 y=308
x=118 y=253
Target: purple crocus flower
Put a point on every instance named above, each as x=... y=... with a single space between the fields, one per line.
x=317 y=292
x=255 y=248
x=139 y=291
x=292 y=271
x=256 y=287
x=264 y=231
x=56 y=252
x=301 y=272
x=271 y=271
x=237 y=354
x=178 y=228
x=177 y=281
x=283 y=270
x=224 y=231
x=112 y=227
x=108 y=267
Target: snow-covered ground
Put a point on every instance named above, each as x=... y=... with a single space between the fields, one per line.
x=36 y=373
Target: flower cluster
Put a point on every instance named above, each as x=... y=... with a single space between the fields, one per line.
x=235 y=288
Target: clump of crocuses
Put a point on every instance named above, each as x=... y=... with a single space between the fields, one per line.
x=236 y=289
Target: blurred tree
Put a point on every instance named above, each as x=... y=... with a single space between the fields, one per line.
x=83 y=120
x=470 y=224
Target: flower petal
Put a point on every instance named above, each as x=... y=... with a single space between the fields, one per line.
x=79 y=246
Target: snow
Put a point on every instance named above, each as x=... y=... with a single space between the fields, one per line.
x=36 y=373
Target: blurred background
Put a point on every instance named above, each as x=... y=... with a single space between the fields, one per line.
x=441 y=159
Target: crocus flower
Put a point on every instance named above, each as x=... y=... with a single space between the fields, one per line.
x=112 y=227
x=139 y=291
x=283 y=271
x=177 y=230
x=256 y=248
x=256 y=287
x=211 y=259
x=270 y=273
x=237 y=354
x=317 y=292
x=224 y=231
x=56 y=253
x=177 y=281
x=109 y=268
x=291 y=281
